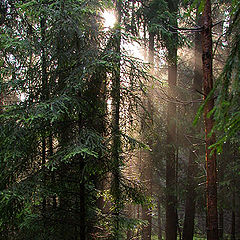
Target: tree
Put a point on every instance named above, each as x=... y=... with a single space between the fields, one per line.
x=171 y=199
x=226 y=110
x=188 y=229
x=211 y=167
x=90 y=134
x=61 y=109
x=116 y=145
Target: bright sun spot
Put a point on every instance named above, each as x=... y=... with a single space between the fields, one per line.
x=109 y=19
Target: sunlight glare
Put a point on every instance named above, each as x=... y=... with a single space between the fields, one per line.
x=22 y=97
x=109 y=18
x=135 y=50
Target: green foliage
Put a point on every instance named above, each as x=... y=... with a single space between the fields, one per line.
x=55 y=142
x=159 y=20
x=227 y=111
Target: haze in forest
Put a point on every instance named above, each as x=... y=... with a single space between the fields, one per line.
x=119 y=120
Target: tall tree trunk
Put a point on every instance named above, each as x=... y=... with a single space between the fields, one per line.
x=179 y=232
x=188 y=228
x=97 y=92
x=237 y=217
x=146 y=212
x=221 y=223
x=82 y=207
x=159 y=220
x=43 y=97
x=64 y=138
x=3 y=11
x=116 y=127
x=171 y=200
x=171 y=211
x=44 y=178
x=151 y=50
x=233 y=223
x=50 y=139
x=150 y=110
x=221 y=170
x=212 y=218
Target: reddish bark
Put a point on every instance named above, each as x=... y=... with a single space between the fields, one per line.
x=212 y=218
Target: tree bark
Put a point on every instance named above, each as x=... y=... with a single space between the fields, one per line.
x=151 y=50
x=221 y=170
x=159 y=220
x=171 y=211
x=188 y=228
x=43 y=97
x=3 y=12
x=147 y=173
x=233 y=224
x=221 y=223
x=116 y=146
x=171 y=198
x=82 y=207
x=147 y=212
x=211 y=168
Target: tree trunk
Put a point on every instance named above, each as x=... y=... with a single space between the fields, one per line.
x=3 y=12
x=212 y=218
x=43 y=97
x=221 y=170
x=188 y=228
x=147 y=173
x=82 y=208
x=237 y=218
x=233 y=224
x=50 y=139
x=159 y=220
x=171 y=199
x=116 y=128
x=221 y=219
x=44 y=178
x=171 y=211
x=147 y=212
x=151 y=50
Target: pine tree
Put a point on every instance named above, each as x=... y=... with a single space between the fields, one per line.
x=211 y=168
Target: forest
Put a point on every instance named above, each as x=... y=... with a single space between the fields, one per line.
x=119 y=119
